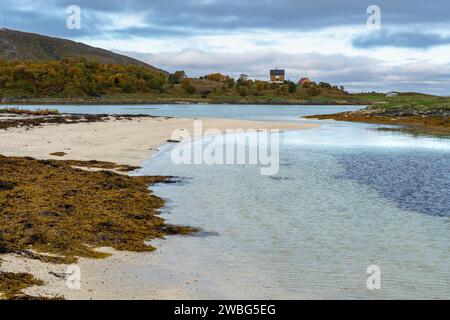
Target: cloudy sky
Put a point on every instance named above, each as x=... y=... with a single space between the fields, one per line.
x=326 y=40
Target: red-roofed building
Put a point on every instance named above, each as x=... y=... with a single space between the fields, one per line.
x=302 y=81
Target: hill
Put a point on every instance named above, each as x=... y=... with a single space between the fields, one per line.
x=21 y=46
x=75 y=78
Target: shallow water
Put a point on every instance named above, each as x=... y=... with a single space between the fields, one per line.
x=247 y=112
x=347 y=196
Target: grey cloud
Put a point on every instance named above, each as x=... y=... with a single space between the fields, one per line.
x=151 y=32
x=51 y=23
x=400 y=39
x=227 y=15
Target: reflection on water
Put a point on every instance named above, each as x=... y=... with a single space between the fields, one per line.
x=415 y=131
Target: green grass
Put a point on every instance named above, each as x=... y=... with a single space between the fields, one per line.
x=406 y=101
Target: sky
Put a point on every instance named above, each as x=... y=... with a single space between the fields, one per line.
x=406 y=49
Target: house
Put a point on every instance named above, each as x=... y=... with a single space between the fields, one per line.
x=277 y=76
x=302 y=81
x=392 y=94
x=180 y=75
x=243 y=77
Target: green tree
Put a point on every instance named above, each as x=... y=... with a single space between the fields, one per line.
x=292 y=87
x=187 y=86
x=243 y=91
x=231 y=83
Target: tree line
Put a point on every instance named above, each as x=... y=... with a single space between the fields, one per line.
x=76 y=77
x=72 y=78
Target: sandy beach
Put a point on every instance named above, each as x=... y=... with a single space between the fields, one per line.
x=128 y=142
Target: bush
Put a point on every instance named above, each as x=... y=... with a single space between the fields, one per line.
x=292 y=87
x=243 y=91
x=187 y=86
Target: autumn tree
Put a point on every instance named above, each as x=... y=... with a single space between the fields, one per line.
x=187 y=86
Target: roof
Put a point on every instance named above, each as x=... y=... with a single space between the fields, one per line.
x=277 y=72
x=302 y=80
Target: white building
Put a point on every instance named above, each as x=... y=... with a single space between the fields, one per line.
x=392 y=94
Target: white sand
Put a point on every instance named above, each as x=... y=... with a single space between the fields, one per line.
x=123 y=142
x=119 y=141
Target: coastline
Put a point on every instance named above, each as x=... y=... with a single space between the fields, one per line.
x=125 y=141
x=205 y=101
x=434 y=122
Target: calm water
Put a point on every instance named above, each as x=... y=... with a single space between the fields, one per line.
x=248 y=112
x=347 y=196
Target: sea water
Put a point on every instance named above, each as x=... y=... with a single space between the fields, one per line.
x=347 y=196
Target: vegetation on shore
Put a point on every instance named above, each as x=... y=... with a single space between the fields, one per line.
x=74 y=78
x=404 y=101
x=38 y=112
x=12 y=284
x=82 y=80
x=55 y=213
x=95 y=164
x=418 y=113
x=86 y=82
x=29 y=118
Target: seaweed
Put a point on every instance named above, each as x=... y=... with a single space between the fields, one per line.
x=58 y=154
x=94 y=164
x=29 y=118
x=12 y=284
x=37 y=112
x=54 y=212
x=420 y=124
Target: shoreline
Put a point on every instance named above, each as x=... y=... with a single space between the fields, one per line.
x=183 y=102
x=412 y=121
x=123 y=141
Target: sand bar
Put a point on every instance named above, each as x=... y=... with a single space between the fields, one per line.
x=121 y=141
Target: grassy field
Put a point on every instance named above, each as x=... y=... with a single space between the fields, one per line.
x=415 y=101
x=212 y=95
x=373 y=101
x=415 y=113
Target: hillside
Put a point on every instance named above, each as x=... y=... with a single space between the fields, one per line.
x=75 y=78
x=17 y=45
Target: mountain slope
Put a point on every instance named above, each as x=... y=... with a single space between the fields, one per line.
x=17 y=45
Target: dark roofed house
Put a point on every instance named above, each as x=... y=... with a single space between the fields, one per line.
x=277 y=76
x=243 y=77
